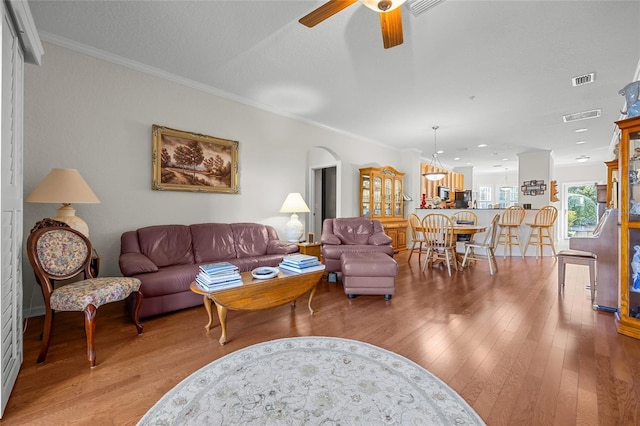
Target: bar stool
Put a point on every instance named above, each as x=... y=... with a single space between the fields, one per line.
x=578 y=257
x=541 y=233
x=510 y=223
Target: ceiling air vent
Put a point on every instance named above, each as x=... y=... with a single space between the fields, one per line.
x=576 y=116
x=581 y=80
x=418 y=7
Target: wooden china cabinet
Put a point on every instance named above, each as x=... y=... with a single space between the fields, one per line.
x=382 y=198
x=628 y=315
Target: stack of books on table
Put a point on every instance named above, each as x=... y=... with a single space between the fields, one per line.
x=218 y=276
x=301 y=263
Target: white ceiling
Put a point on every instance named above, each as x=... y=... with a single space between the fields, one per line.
x=492 y=72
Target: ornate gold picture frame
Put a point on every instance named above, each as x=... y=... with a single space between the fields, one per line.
x=185 y=161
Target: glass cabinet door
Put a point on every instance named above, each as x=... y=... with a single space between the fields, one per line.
x=377 y=196
x=397 y=198
x=388 y=193
x=634 y=177
x=628 y=315
x=366 y=195
x=633 y=221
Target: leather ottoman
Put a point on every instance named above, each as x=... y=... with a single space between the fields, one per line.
x=368 y=274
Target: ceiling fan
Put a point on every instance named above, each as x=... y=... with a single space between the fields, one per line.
x=389 y=10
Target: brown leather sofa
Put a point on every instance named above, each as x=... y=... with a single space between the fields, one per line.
x=166 y=258
x=352 y=235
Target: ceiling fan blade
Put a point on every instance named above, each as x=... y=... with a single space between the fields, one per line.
x=325 y=11
x=391 y=24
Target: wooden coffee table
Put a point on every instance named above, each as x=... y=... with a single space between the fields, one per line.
x=255 y=295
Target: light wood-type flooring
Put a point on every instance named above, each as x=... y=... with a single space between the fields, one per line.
x=515 y=350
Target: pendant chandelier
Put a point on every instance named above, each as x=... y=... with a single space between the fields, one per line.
x=434 y=175
x=506 y=186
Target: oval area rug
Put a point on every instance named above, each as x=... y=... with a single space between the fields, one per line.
x=311 y=380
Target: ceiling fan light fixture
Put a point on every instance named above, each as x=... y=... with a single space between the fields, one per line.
x=382 y=5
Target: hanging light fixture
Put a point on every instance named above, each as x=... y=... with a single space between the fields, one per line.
x=506 y=186
x=434 y=175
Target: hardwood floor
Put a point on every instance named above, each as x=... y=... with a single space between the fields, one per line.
x=517 y=352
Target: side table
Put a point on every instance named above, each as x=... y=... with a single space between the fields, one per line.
x=311 y=249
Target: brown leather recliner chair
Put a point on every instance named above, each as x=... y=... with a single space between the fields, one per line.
x=352 y=235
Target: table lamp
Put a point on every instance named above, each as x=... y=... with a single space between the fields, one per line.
x=294 y=228
x=65 y=186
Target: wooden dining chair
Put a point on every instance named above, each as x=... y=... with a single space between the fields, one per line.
x=541 y=230
x=58 y=254
x=488 y=246
x=417 y=236
x=509 y=227
x=464 y=217
x=467 y=216
x=439 y=240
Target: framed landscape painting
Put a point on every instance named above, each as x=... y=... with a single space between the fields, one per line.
x=184 y=161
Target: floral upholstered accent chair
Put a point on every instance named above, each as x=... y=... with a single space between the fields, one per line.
x=57 y=253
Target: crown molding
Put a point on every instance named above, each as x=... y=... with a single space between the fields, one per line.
x=146 y=69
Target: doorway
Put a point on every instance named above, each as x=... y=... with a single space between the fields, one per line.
x=581 y=209
x=325 y=197
x=325 y=193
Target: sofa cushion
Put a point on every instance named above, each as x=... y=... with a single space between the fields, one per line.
x=135 y=263
x=353 y=230
x=251 y=239
x=282 y=247
x=334 y=252
x=169 y=280
x=166 y=245
x=379 y=239
x=212 y=242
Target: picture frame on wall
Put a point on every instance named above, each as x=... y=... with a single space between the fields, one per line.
x=533 y=187
x=186 y=161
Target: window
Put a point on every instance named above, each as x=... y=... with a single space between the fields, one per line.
x=508 y=197
x=484 y=197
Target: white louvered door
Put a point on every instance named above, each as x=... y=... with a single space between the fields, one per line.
x=11 y=207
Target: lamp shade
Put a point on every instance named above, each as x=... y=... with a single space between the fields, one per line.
x=62 y=186
x=294 y=203
x=65 y=186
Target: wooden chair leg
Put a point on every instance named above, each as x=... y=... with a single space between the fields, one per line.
x=90 y=329
x=466 y=254
x=493 y=264
x=46 y=335
x=526 y=246
x=551 y=243
x=136 y=310
x=413 y=247
x=426 y=259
